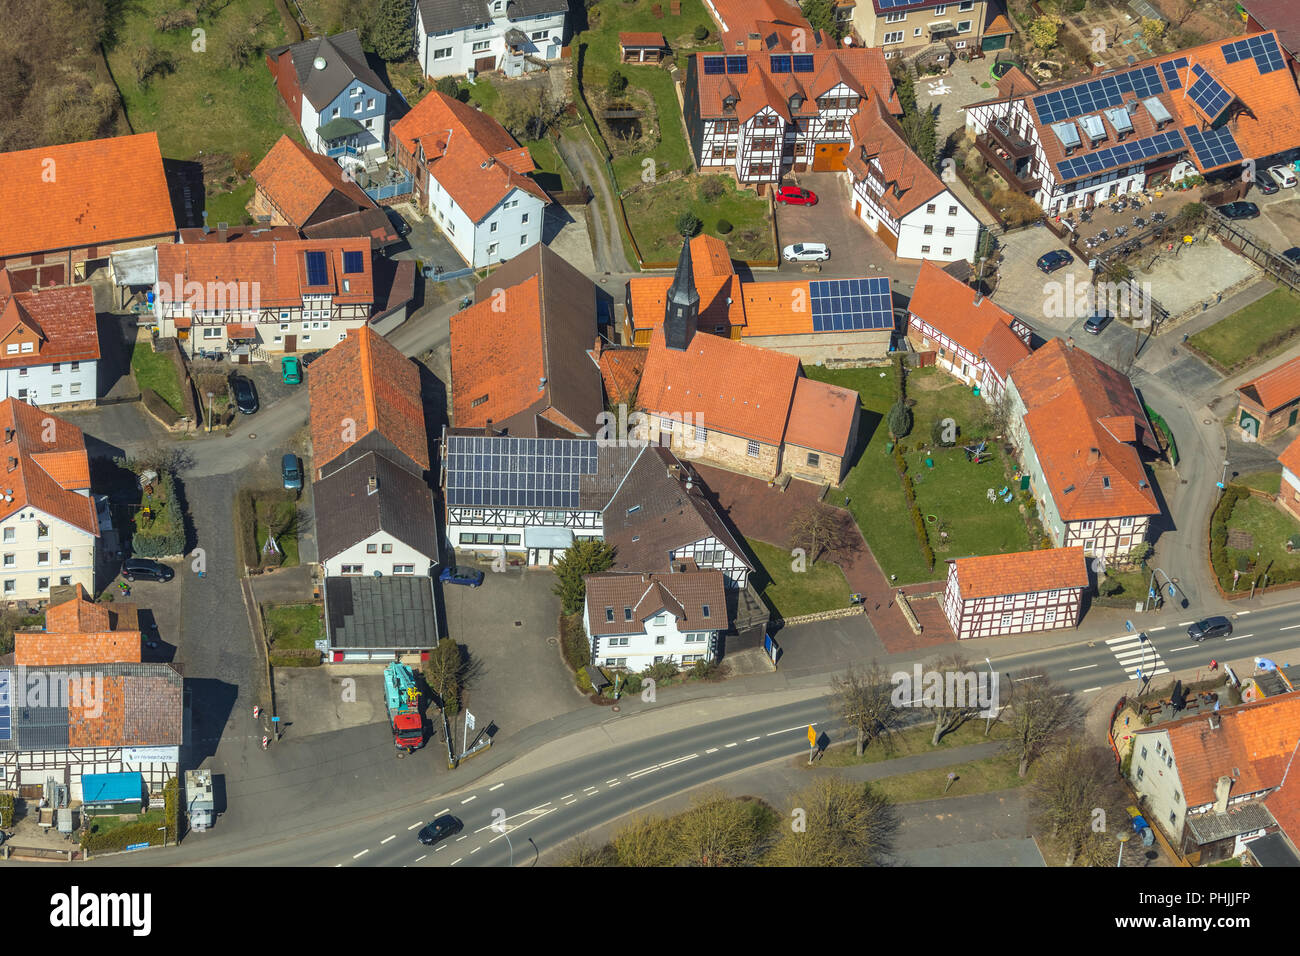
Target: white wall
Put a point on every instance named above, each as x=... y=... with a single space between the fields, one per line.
x=518 y=221
x=378 y=561
x=642 y=649
x=20 y=572
x=963 y=242
x=461 y=42
x=40 y=382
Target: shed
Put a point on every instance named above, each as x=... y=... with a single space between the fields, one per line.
x=642 y=47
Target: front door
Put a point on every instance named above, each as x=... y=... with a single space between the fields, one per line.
x=291 y=343
x=485 y=64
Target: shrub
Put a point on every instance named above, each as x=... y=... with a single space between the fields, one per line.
x=6 y=810
x=724 y=227
x=661 y=671
x=584 y=682
x=175 y=20
x=166 y=535
x=899 y=420
x=573 y=642
x=701 y=33
x=706 y=670
x=688 y=224
x=900 y=379
x=713 y=189
x=450 y=86
x=632 y=685
x=616 y=84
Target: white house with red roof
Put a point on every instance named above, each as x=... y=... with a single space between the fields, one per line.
x=49 y=344
x=973 y=338
x=760 y=115
x=1081 y=143
x=899 y=197
x=1079 y=426
x=1016 y=593
x=636 y=620
x=49 y=528
x=472 y=178
x=464 y=37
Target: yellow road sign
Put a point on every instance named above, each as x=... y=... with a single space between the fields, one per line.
x=812 y=736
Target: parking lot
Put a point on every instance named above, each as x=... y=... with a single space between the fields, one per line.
x=1278 y=224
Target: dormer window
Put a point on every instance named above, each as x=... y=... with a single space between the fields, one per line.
x=729 y=104
x=796 y=101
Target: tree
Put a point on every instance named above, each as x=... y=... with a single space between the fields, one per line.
x=390 y=32
x=921 y=132
x=1073 y=783
x=444 y=672
x=720 y=831
x=821 y=14
x=585 y=556
x=996 y=419
x=449 y=86
x=1043 y=32
x=899 y=420
x=954 y=703
x=1041 y=712
x=528 y=113
x=616 y=84
x=688 y=224
x=645 y=842
x=1152 y=31
x=818 y=528
x=243 y=37
x=843 y=824
x=701 y=33
x=584 y=853
x=864 y=701
x=1140 y=553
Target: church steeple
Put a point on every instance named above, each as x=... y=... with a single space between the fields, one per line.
x=682 y=309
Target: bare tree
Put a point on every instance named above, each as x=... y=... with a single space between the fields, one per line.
x=1078 y=799
x=645 y=842
x=818 y=528
x=955 y=700
x=864 y=701
x=1041 y=712
x=836 y=822
x=582 y=852
x=720 y=831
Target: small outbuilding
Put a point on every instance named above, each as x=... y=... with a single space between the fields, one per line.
x=642 y=47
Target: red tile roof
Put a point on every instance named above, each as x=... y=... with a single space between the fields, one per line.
x=93 y=193
x=822 y=417
x=977 y=324
x=78 y=631
x=468 y=152
x=1290 y=457
x=685 y=595
x=620 y=373
x=1091 y=473
x=46 y=475
x=737 y=389
x=1277 y=387
x=772 y=19
x=365 y=386
x=1252 y=745
x=297 y=181
x=642 y=39
x=1023 y=572
x=878 y=146
x=62 y=320
x=715 y=281
x=862 y=70
x=273 y=274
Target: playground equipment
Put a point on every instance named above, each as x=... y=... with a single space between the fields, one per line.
x=977 y=454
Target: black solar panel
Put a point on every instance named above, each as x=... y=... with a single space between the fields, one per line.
x=737 y=64
x=1125 y=154
x=1262 y=49
x=1096 y=95
x=6 y=721
x=780 y=64
x=517 y=472
x=1207 y=93
x=317 y=272
x=1172 y=70
x=843 y=305
x=803 y=63
x=353 y=263
x=1213 y=148
x=714 y=65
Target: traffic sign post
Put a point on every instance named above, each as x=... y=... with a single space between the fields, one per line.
x=812 y=743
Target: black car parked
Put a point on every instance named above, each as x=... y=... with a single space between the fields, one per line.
x=1240 y=210
x=144 y=569
x=1210 y=627
x=245 y=394
x=1049 y=262
x=441 y=828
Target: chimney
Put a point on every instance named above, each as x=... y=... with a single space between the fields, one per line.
x=13 y=462
x=372 y=485
x=599 y=346
x=1094 y=455
x=1069 y=343
x=487 y=429
x=221 y=231
x=1221 y=790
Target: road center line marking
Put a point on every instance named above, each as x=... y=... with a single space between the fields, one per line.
x=475 y=850
x=1290 y=627
x=441 y=848
x=1082 y=668
x=750 y=740
x=468 y=799
x=789 y=729
x=497 y=787
x=361 y=854
x=566 y=796
x=711 y=750
x=569 y=803
x=1152 y=630
x=613 y=780
x=465 y=837
x=419 y=858
x=455 y=861
x=731 y=745
x=672 y=763
x=1240 y=613
x=1091 y=689
x=1185 y=647
x=538 y=807
x=442 y=811
x=641 y=773
x=1240 y=637
x=1017 y=680
x=414 y=825
x=614 y=784
x=388 y=839
x=1185 y=623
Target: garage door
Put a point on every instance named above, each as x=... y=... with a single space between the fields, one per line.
x=829 y=157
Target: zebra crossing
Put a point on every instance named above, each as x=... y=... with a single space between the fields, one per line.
x=1133 y=655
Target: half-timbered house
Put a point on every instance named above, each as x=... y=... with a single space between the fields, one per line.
x=1016 y=593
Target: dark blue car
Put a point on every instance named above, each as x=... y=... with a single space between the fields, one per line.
x=472 y=577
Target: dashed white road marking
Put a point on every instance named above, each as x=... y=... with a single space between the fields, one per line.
x=566 y=796
x=468 y=799
x=731 y=744
x=475 y=850
x=387 y=839
x=1290 y=627
x=569 y=803
x=711 y=750
x=441 y=848
x=1152 y=630
x=672 y=763
x=1185 y=647
x=750 y=740
x=414 y=825
x=614 y=784
x=789 y=729
x=359 y=855
x=497 y=787
x=1240 y=613
x=1239 y=637
x=614 y=780
x=442 y=811
x=1083 y=668
x=455 y=861
x=459 y=838
x=1185 y=623
x=419 y=858
x=1091 y=690
x=1017 y=680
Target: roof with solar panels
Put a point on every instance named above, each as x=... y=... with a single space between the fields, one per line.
x=740 y=85
x=1218 y=104
x=275 y=273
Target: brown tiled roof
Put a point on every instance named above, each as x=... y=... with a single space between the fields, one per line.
x=192 y=237
x=863 y=70
x=63 y=320
x=620 y=373
x=101 y=191
x=1282 y=16
x=737 y=389
x=277 y=270
x=1290 y=457
x=822 y=417
x=1092 y=473
x=1277 y=387
x=1023 y=572
x=1252 y=745
x=683 y=595
x=878 y=142
x=642 y=39
x=774 y=21
x=365 y=387
x=46 y=475
x=977 y=324
x=468 y=152
x=298 y=181
x=523 y=346
x=141 y=707
x=1016 y=82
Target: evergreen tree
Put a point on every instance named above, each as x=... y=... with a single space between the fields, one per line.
x=585 y=556
x=390 y=34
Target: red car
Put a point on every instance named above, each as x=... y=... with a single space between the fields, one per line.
x=796 y=196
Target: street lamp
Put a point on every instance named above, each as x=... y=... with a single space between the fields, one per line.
x=210 y=412
x=988 y=714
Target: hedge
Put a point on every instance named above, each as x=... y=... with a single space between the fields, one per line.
x=1219 y=531
x=172 y=807
x=172 y=541
x=574 y=642
x=909 y=492
x=6 y=810
x=1163 y=427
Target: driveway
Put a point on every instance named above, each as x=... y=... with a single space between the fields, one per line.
x=510 y=627
x=1278 y=224
x=426 y=243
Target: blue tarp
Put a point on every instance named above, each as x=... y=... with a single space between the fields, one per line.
x=112 y=788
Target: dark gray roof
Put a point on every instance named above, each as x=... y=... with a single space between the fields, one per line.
x=394 y=611
x=1273 y=850
x=653 y=514
x=346 y=512
x=1243 y=818
x=345 y=62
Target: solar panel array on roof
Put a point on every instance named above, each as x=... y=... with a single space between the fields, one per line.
x=317 y=272
x=780 y=64
x=803 y=63
x=1214 y=147
x=1125 y=154
x=714 y=65
x=1262 y=49
x=844 y=305
x=1172 y=70
x=1096 y=94
x=891 y=4
x=517 y=472
x=1207 y=93
x=353 y=264
x=737 y=64
x=6 y=723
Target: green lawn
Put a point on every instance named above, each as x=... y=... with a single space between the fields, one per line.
x=789 y=593
x=1270 y=528
x=652 y=214
x=230 y=207
x=999 y=772
x=103 y=824
x=1254 y=334
x=294 y=626
x=288 y=545
x=954 y=491
x=912 y=741
x=1267 y=481
x=552 y=175
x=156 y=371
x=671 y=153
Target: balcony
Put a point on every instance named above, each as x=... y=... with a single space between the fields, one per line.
x=344 y=149
x=1014 y=170
x=1011 y=141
